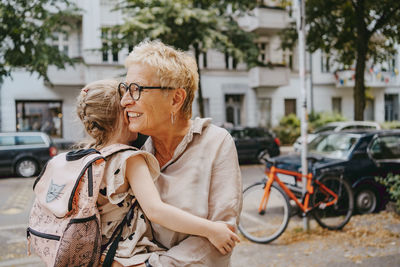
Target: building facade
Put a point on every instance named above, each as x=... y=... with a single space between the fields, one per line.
x=260 y=96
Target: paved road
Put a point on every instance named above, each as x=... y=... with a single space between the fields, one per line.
x=16 y=198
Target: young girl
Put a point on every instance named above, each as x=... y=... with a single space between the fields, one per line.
x=130 y=175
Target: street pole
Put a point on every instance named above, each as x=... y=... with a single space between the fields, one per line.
x=302 y=70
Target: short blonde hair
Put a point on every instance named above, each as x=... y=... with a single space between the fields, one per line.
x=174 y=68
x=98 y=107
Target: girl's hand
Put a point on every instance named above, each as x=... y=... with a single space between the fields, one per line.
x=223 y=237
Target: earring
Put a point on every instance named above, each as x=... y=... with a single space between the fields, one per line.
x=172 y=118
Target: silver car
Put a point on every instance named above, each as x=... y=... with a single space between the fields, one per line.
x=336 y=127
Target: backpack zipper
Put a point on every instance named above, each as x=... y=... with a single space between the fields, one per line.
x=30 y=231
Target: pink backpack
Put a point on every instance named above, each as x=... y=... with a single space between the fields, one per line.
x=64 y=224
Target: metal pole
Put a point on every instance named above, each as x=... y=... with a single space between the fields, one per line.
x=311 y=84
x=1 y=105
x=302 y=68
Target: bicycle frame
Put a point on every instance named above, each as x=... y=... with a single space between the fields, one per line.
x=272 y=177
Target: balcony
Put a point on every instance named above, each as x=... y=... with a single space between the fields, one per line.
x=70 y=76
x=346 y=78
x=268 y=77
x=265 y=20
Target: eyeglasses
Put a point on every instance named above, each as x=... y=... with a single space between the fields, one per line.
x=135 y=90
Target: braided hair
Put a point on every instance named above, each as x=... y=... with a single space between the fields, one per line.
x=98 y=107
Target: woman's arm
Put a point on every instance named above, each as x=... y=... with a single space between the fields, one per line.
x=175 y=219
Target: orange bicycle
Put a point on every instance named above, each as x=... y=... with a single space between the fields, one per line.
x=266 y=208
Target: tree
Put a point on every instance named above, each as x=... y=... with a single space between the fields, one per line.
x=198 y=24
x=352 y=31
x=26 y=28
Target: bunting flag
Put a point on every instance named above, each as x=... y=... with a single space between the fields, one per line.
x=380 y=76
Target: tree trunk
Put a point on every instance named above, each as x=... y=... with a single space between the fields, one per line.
x=362 y=49
x=200 y=98
x=359 y=87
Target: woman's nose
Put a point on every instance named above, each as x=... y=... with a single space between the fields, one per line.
x=126 y=100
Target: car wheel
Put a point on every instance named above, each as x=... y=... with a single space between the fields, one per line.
x=366 y=200
x=26 y=168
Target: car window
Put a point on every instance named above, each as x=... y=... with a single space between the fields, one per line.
x=325 y=129
x=336 y=146
x=366 y=127
x=351 y=127
x=386 y=147
x=237 y=134
x=29 y=140
x=7 y=140
x=254 y=132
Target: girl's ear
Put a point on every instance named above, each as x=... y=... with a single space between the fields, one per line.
x=179 y=96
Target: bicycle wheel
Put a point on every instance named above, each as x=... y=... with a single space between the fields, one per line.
x=266 y=226
x=334 y=216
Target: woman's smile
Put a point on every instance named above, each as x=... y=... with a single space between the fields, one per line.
x=134 y=114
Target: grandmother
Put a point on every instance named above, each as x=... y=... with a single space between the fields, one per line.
x=199 y=166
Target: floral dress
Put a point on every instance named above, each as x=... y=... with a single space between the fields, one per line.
x=137 y=236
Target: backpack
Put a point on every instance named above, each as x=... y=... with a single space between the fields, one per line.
x=64 y=223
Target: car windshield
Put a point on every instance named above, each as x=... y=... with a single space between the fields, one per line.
x=336 y=145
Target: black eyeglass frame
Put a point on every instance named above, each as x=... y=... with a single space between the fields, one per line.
x=140 y=89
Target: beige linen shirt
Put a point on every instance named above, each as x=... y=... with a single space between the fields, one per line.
x=203 y=177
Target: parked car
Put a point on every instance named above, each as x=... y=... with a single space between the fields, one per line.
x=359 y=156
x=25 y=153
x=337 y=127
x=251 y=141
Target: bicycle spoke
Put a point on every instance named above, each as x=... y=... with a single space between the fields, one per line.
x=333 y=205
x=270 y=224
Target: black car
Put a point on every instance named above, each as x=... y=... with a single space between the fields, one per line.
x=359 y=156
x=25 y=153
x=251 y=141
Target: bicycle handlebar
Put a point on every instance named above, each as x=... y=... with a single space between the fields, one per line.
x=264 y=158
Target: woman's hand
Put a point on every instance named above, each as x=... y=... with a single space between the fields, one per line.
x=222 y=237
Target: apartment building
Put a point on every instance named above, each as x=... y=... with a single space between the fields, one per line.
x=260 y=96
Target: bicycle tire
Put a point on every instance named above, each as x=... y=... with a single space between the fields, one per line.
x=269 y=225
x=336 y=216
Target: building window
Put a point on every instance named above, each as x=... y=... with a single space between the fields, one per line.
x=337 y=105
x=391 y=107
x=290 y=107
x=325 y=62
x=110 y=47
x=44 y=116
x=233 y=109
x=263 y=56
x=205 y=60
x=60 y=41
x=230 y=61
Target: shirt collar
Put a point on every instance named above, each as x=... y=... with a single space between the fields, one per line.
x=198 y=124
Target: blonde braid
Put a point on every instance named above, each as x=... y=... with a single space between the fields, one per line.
x=98 y=107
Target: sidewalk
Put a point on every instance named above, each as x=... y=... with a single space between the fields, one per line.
x=368 y=240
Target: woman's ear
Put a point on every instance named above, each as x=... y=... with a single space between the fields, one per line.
x=179 y=96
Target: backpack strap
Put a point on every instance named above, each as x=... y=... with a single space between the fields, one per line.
x=78 y=154
x=116 y=237
x=115 y=148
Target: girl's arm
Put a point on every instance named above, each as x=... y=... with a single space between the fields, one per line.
x=175 y=219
